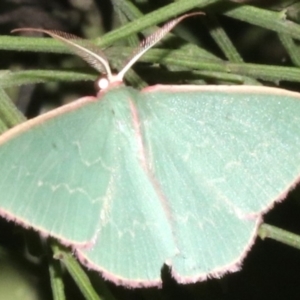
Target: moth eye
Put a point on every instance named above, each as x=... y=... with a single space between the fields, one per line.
x=101 y=83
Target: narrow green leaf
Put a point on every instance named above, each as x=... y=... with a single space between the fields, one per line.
x=280 y=235
x=265 y=72
x=9 y=79
x=264 y=18
x=56 y=280
x=79 y=276
x=291 y=48
x=221 y=38
x=9 y=114
x=3 y=127
x=122 y=11
x=153 y=18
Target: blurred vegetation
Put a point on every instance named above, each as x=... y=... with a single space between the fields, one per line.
x=236 y=42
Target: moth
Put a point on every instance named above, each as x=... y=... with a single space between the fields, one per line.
x=132 y=180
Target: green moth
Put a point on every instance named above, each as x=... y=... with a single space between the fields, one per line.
x=133 y=180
